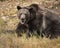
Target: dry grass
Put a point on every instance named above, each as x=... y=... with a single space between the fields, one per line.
x=12 y=41
x=9 y=39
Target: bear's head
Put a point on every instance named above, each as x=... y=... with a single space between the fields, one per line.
x=25 y=14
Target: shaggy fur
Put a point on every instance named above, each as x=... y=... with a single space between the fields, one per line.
x=44 y=21
x=31 y=17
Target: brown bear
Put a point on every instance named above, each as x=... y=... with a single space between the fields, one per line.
x=30 y=20
x=37 y=18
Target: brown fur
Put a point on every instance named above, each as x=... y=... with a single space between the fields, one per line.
x=42 y=20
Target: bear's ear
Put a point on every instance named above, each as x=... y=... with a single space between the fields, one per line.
x=35 y=7
x=18 y=7
x=31 y=9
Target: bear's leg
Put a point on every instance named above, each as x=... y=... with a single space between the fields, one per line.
x=52 y=34
x=27 y=33
x=49 y=32
x=18 y=30
x=39 y=33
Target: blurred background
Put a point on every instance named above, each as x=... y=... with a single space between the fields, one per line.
x=8 y=11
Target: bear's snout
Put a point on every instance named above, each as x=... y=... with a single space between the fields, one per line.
x=23 y=19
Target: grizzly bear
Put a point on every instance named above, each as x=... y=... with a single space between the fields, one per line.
x=30 y=20
x=34 y=17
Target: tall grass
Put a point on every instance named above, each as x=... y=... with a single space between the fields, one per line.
x=9 y=40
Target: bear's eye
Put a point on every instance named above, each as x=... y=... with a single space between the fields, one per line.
x=26 y=15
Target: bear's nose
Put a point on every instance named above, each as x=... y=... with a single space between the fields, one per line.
x=22 y=19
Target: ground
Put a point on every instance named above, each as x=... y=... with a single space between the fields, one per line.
x=9 y=21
